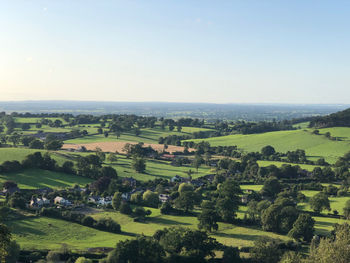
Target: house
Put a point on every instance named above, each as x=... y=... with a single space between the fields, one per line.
x=105 y=201
x=39 y=202
x=197 y=183
x=130 y=181
x=164 y=198
x=61 y=201
x=244 y=199
x=93 y=199
x=177 y=179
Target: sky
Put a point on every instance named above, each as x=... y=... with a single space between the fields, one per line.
x=246 y=51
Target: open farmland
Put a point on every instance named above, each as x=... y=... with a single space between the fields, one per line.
x=117 y=146
x=37 y=178
x=315 y=146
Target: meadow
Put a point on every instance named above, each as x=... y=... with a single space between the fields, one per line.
x=315 y=146
x=37 y=178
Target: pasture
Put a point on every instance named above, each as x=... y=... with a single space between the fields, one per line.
x=315 y=146
x=36 y=178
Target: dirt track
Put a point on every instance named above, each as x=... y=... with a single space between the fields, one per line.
x=118 y=146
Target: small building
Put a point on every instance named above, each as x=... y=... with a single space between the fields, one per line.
x=244 y=199
x=61 y=201
x=104 y=201
x=93 y=199
x=39 y=202
x=164 y=198
x=177 y=179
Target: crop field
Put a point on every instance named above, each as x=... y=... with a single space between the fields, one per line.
x=315 y=146
x=117 y=146
x=36 y=178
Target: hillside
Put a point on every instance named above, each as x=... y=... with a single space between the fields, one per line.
x=338 y=119
x=315 y=146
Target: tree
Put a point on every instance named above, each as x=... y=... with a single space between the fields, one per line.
x=53 y=145
x=303 y=228
x=319 y=202
x=186 y=201
x=53 y=257
x=226 y=209
x=108 y=171
x=271 y=187
x=197 y=161
x=141 y=249
x=13 y=252
x=117 y=200
x=139 y=164
x=83 y=260
x=209 y=217
x=125 y=208
x=183 y=187
x=231 y=255
x=333 y=249
x=268 y=150
x=266 y=250
x=347 y=209
x=291 y=257
x=150 y=198
x=5 y=240
x=112 y=158
x=36 y=144
x=186 y=242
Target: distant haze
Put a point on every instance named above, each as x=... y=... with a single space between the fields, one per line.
x=209 y=111
x=186 y=50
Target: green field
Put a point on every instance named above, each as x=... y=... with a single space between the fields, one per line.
x=315 y=146
x=47 y=233
x=307 y=167
x=36 y=178
x=148 y=135
x=156 y=169
x=19 y=154
x=337 y=203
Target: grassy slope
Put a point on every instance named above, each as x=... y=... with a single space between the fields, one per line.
x=156 y=168
x=148 y=135
x=48 y=233
x=283 y=141
x=36 y=178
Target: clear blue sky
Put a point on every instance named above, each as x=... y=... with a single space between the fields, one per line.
x=186 y=51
